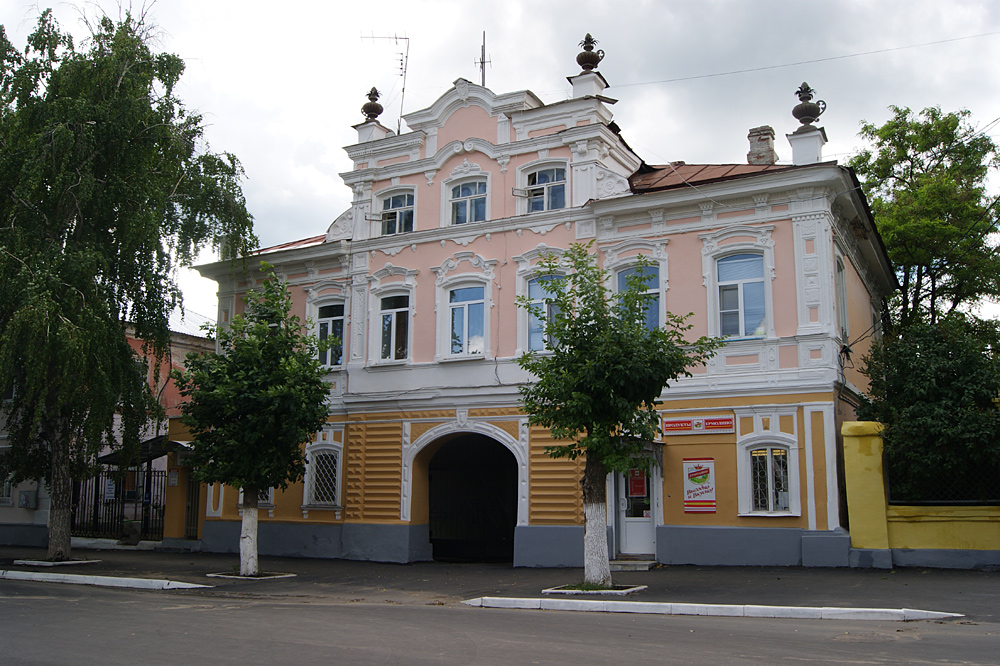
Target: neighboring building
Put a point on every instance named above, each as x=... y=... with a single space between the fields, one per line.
x=426 y=453
x=24 y=508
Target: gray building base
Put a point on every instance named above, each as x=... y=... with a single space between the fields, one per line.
x=376 y=543
x=386 y=543
x=24 y=534
x=871 y=558
x=548 y=546
x=751 y=546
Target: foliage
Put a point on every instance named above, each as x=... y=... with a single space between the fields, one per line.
x=598 y=384
x=933 y=388
x=599 y=380
x=255 y=403
x=104 y=189
x=925 y=178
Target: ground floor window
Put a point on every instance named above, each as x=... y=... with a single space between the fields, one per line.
x=769 y=479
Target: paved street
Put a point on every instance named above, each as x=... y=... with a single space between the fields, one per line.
x=370 y=613
x=44 y=623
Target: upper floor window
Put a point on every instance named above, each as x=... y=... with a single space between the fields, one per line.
x=741 y=295
x=467 y=309
x=395 y=319
x=842 y=316
x=468 y=202
x=651 y=281
x=546 y=189
x=537 y=292
x=397 y=213
x=769 y=487
x=330 y=324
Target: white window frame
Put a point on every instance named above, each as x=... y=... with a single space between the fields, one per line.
x=6 y=493
x=623 y=257
x=452 y=200
x=550 y=311
x=656 y=290
x=395 y=313
x=445 y=308
x=744 y=470
x=524 y=190
x=380 y=205
x=741 y=297
x=716 y=248
x=265 y=501
x=329 y=441
x=320 y=321
x=843 y=314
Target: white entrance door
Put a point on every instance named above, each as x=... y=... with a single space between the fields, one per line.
x=635 y=513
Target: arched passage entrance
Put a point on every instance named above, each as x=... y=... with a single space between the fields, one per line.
x=472 y=487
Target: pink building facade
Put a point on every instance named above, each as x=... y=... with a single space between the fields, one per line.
x=427 y=454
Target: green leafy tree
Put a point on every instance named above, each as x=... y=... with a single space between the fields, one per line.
x=925 y=178
x=252 y=406
x=600 y=378
x=104 y=189
x=933 y=387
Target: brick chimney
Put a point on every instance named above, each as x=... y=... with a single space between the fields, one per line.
x=761 y=146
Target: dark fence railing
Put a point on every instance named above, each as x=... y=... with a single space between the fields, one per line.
x=120 y=504
x=974 y=486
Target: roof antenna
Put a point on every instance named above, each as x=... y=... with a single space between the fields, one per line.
x=482 y=62
x=404 y=62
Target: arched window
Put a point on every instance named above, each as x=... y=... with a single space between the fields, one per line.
x=651 y=281
x=769 y=482
x=397 y=213
x=467 y=314
x=395 y=327
x=468 y=202
x=330 y=325
x=537 y=339
x=546 y=189
x=324 y=477
x=742 y=306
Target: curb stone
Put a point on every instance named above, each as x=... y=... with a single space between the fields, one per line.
x=101 y=581
x=715 y=610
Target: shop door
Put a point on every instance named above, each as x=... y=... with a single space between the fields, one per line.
x=635 y=514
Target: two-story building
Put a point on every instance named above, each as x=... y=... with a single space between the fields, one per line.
x=427 y=453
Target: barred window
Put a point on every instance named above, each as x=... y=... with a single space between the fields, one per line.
x=323 y=469
x=769 y=479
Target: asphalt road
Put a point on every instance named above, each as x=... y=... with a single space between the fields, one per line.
x=43 y=623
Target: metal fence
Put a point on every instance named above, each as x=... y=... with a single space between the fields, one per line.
x=974 y=486
x=120 y=504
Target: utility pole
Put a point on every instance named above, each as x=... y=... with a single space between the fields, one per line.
x=482 y=62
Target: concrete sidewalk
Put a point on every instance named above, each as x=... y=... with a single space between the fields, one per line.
x=739 y=591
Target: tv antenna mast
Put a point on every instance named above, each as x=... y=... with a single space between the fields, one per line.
x=404 y=61
x=482 y=62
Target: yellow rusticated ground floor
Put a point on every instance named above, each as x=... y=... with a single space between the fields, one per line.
x=733 y=481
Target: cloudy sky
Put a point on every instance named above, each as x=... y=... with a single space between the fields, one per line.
x=281 y=84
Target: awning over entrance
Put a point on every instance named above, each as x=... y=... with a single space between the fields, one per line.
x=149 y=450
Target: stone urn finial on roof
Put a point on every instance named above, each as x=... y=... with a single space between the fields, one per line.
x=807 y=111
x=588 y=59
x=372 y=108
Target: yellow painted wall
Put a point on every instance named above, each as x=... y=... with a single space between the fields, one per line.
x=876 y=525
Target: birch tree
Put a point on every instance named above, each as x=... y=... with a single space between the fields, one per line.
x=106 y=185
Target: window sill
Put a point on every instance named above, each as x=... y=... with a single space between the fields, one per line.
x=770 y=514
x=389 y=365
x=322 y=507
x=466 y=357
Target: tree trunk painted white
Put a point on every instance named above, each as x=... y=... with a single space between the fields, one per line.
x=596 y=563
x=248 y=534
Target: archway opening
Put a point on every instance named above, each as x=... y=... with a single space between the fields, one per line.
x=472 y=488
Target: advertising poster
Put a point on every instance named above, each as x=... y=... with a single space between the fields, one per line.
x=699 y=485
